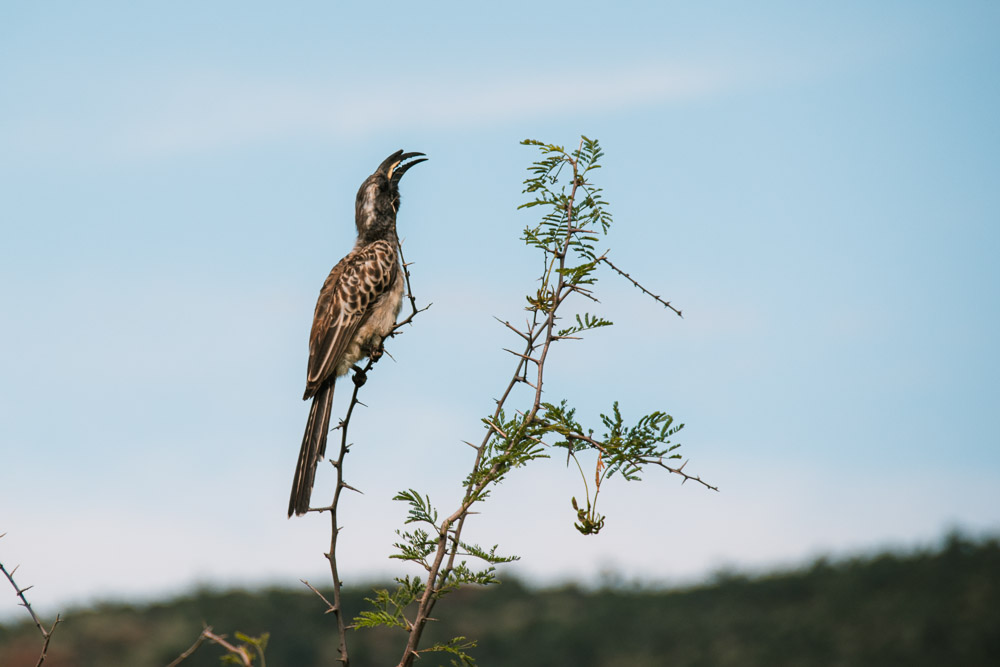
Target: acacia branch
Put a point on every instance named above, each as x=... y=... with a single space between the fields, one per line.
x=511 y=443
x=331 y=608
x=241 y=652
x=331 y=556
x=438 y=577
x=604 y=258
x=658 y=461
x=360 y=377
x=46 y=633
x=680 y=471
x=188 y=653
x=409 y=295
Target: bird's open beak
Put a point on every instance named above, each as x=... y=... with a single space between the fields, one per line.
x=394 y=166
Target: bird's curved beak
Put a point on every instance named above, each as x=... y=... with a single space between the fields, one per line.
x=393 y=166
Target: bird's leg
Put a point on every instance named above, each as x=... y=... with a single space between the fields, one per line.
x=376 y=351
x=359 y=377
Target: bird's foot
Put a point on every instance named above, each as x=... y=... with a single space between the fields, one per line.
x=376 y=352
x=359 y=377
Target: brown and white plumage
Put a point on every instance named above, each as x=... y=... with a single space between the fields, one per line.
x=356 y=309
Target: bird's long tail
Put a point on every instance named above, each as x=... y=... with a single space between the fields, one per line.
x=313 y=449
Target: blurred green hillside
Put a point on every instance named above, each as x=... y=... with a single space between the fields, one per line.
x=935 y=607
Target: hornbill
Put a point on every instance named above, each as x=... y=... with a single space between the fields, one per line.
x=356 y=309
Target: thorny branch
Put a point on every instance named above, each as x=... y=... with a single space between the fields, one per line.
x=409 y=295
x=599 y=446
x=242 y=653
x=46 y=633
x=539 y=334
x=531 y=335
x=331 y=555
x=188 y=653
x=604 y=258
x=360 y=377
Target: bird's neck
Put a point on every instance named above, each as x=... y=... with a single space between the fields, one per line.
x=379 y=230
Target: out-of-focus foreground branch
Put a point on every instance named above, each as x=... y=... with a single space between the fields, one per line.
x=20 y=592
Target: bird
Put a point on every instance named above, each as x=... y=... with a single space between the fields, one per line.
x=357 y=307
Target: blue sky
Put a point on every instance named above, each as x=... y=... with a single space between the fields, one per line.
x=816 y=188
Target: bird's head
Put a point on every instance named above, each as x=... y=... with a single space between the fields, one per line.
x=378 y=197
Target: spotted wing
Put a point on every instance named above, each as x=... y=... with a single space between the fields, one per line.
x=346 y=299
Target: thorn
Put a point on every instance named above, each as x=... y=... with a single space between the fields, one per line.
x=522 y=356
x=348 y=486
x=319 y=510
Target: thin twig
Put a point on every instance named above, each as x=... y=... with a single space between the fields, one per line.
x=414 y=311
x=331 y=556
x=598 y=445
x=330 y=607
x=188 y=653
x=46 y=633
x=680 y=471
x=241 y=652
x=523 y=356
x=513 y=328
x=604 y=258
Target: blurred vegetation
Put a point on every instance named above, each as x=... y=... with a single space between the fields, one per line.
x=933 y=607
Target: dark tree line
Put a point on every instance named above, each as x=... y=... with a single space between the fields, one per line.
x=935 y=607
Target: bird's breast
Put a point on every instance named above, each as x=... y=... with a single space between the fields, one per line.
x=376 y=326
x=385 y=311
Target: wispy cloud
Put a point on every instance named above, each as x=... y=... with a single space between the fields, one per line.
x=208 y=112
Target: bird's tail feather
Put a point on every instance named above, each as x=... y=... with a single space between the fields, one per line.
x=313 y=449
